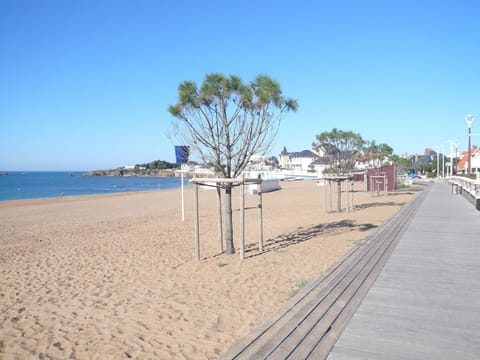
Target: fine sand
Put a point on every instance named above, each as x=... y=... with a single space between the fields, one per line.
x=110 y=277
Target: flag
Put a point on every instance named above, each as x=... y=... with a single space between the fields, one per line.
x=181 y=154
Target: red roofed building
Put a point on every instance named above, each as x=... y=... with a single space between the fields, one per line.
x=462 y=165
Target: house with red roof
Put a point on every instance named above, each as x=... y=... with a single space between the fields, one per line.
x=462 y=165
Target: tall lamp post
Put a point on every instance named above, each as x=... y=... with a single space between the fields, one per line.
x=438 y=160
x=443 y=160
x=469 y=119
x=450 y=170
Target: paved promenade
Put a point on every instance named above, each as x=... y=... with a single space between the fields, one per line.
x=425 y=304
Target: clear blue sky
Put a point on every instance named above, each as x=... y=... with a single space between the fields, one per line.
x=86 y=84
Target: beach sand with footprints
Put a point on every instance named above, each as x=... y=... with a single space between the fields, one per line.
x=115 y=276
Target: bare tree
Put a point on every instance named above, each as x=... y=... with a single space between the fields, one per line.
x=226 y=121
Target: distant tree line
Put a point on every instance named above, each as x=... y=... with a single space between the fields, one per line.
x=158 y=165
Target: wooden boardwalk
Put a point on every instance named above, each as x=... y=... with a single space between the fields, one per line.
x=308 y=325
x=426 y=302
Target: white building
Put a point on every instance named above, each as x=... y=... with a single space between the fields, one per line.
x=297 y=161
x=319 y=165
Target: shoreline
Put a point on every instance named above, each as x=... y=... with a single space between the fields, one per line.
x=53 y=185
x=70 y=198
x=108 y=275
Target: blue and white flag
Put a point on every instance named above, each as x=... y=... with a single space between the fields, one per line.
x=181 y=154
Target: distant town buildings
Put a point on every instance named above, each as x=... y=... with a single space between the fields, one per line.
x=308 y=163
x=133 y=167
x=457 y=159
x=418 y=160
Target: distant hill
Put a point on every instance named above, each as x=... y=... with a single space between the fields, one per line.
x=159 y=165
x=154 y=168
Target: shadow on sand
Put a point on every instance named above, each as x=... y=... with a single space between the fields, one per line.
x=304 y=234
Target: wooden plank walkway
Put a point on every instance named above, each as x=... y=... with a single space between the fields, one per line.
x=308 y=325
x=425 y=303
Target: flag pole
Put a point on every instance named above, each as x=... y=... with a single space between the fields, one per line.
x=183 y=201
x=181 y=156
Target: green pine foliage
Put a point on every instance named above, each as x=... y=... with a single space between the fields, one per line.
x=158 y=165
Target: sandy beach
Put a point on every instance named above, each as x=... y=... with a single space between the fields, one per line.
x=110 y=277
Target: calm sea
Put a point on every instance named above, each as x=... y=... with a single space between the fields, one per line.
x=35 y=185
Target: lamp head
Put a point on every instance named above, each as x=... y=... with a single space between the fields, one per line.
x=469 y=119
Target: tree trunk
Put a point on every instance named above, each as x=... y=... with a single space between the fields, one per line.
x=339 y=196
x=229 y=219
x=220 y=219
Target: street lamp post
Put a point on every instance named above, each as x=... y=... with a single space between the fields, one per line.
x=456 y=157
x=450 y=170
x=469 y=119
x=443 y=160
x=438 y=160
